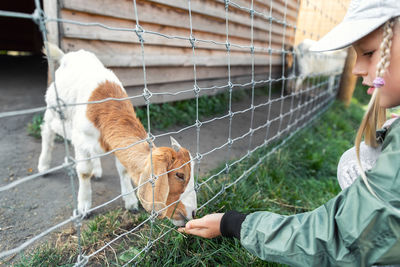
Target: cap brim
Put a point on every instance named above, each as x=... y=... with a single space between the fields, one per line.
x=346 y=33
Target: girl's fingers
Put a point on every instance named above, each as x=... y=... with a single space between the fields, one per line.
x=197 y=223
x=207 y=227
x=202 y=232
x=193 y=226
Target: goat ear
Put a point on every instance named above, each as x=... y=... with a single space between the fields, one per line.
x=161 y=161
x=55 y=52
x=174 y=144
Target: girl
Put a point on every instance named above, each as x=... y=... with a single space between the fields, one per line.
x=360 y=226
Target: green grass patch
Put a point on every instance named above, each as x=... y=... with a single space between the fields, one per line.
x=33 y=127
x=360 y=93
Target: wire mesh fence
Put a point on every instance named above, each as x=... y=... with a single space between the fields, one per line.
x=277 y=115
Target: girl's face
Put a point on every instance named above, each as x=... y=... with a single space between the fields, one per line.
x=368 y=56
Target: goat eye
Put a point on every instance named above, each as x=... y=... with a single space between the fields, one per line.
x=180 y=175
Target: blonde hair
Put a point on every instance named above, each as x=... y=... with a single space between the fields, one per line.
x=375 y=115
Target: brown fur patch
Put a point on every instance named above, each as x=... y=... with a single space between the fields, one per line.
x=166 y=159
x=119 y=127
x=116 y=120
x=177 y=186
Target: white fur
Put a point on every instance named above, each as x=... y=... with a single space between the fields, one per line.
x=189 y=198
x=313 y=63
x=84 y=195
x=131 y=201
x=78 y=75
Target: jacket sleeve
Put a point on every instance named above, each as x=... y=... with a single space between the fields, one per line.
x=353 y=229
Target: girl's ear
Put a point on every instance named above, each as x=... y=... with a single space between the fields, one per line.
x=161 y=161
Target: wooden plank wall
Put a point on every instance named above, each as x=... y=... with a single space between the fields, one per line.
x=169 y=61
x=327 y=13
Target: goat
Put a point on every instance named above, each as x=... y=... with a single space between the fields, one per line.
x=96 y=128
x=303 y=63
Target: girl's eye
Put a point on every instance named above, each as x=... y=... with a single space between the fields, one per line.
x=369 y=54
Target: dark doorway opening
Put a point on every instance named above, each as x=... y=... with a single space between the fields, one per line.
x=19 y=34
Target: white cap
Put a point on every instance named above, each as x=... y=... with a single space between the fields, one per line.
x=362 y=18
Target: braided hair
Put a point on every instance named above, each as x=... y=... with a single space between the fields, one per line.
x=375 y=115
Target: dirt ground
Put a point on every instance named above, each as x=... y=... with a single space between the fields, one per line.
x=34 y=206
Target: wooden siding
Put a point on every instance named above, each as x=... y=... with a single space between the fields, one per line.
x=327 y=13
x=169 y=61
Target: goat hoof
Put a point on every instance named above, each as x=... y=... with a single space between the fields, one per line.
x=83 y=209
x=97 y=174
x=43 y=168
x=84 y=214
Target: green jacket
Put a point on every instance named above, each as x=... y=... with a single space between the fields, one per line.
x=352 y=229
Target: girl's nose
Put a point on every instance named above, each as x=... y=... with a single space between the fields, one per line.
x=359 y=69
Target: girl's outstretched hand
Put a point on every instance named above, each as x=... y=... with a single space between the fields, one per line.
x=207 y=227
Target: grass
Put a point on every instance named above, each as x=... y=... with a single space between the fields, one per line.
x=360 y=93
x=33 y=127
x=298 y=177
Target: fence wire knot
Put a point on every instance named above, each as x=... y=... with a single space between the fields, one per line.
x=148 y=246
x=139 y=32
x=228 y=46
x=69 y=159
x=147 y=94
x=153 y=180
x=154 y=215
x=78 y=219
x=227 y=4
x=251 y=132
x=222 y=189
x=196 y=90
x=251 y=12
x=227 y=168
x=150 y=139
x=198 y=123
x=199 y=156
x=192 y=40
x=196 y=187
x=230 y=141
x=38 y=15
x=230 y=85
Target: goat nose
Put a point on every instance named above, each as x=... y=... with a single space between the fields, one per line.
x=193 y=214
